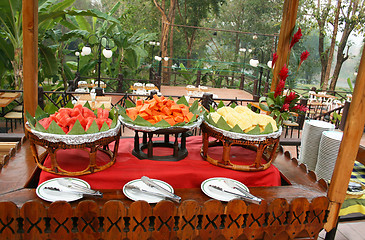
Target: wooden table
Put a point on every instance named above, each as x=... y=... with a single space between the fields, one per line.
x=295 y=210
x=99 y=101
x=134 y=88
x=316 y=108
x=6 y=98
x=323 y=96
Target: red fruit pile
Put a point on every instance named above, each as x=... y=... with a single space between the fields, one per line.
x=66 y=118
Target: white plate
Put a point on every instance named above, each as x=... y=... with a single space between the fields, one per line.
x=135 y=195
x=69 y=197
x=219 y=182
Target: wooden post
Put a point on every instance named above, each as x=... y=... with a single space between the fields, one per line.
x=287 y=26
x=348 y=149
x=344 y=115
x=30 y=55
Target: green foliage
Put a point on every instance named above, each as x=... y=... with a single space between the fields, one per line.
x=350 y=84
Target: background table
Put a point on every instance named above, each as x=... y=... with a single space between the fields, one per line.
x=187 y=173
x=6 y=98
x=99 y=101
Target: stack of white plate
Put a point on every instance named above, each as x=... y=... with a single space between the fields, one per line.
x=327 y=154
x=311 y=137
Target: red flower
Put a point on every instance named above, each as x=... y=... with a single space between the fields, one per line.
x=297 y=36
x=285 y=107
x=304 y=56
x=274 y=58
x=289 y=98
x=279 y=88
x=283 y=73
x=300 y=107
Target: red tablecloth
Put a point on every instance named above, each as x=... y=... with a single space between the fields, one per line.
x=187 y=173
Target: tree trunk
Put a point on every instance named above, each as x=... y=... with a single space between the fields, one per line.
x=323 y=56
x=164 y=45
x=189 y=43
x=332 y=47
x=341 y=57
x=236 y=52
x=321 y=18
x=171 y=47
x=165 y=27
x=349 y=26
x=336 y=72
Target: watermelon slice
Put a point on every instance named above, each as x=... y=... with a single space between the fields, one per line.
x=88 y=113
x=99 y=122
x=45 y=122
x=66 y=118
x=75 y=112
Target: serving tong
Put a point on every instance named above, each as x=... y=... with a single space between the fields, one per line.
x=244 y=194
x=160 y=191
x=152 y=184
x=156 y=194
x=59 y=192
x=77 y=188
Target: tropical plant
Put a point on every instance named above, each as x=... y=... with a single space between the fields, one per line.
x=11 y=42
x=281 y=105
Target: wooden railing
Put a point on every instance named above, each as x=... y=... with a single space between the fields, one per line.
x=9 y=144
x=329 y=116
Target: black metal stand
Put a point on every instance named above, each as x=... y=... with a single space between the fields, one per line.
x=179 y=150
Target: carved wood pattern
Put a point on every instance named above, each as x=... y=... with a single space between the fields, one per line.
x=164 y=220
x=60 y=216
x=114 y=213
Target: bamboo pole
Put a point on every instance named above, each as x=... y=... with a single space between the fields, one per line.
x=30 y=55
x=287 y=26
x=348 y=149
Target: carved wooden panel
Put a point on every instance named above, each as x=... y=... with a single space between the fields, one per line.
x=115 y=214
x=9 y=215
x=33 y=221
x=60 y=219
x=164 y=220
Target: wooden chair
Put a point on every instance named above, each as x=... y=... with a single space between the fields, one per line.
x=13 y=116
x=18 y=108
x=311 y=97
x=292 y=125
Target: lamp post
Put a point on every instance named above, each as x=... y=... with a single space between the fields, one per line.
x=159 y=59
x=107 y=52
x=254 y=63
x=244 y=50
x=77 y=54
x=269 y=64
x=153 y=44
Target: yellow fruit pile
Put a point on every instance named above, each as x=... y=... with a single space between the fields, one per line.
x=244 y=117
